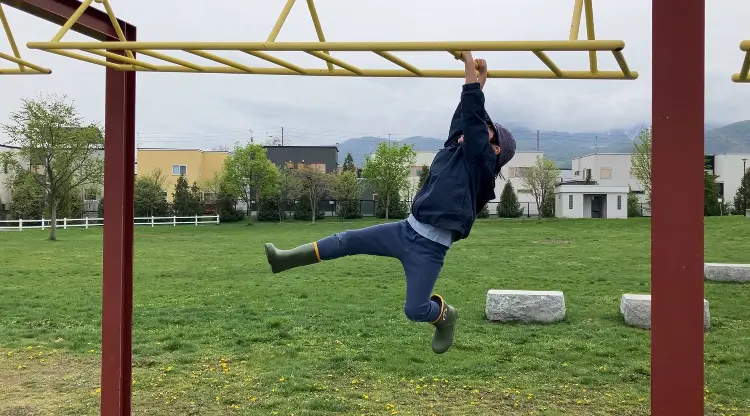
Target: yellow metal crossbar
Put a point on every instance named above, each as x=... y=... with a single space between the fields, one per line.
x=323 y=49
x=744 y=74
x=24 y=67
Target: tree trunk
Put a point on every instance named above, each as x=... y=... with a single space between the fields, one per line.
x=313 y=208
x=387 y=205
x=281 y=209
x=53 y=220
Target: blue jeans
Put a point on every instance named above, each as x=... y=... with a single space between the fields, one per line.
x=422 y=260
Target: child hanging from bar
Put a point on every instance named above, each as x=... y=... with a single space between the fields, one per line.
x=461 y=181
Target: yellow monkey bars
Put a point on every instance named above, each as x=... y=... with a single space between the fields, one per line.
x=335 y=67
x=744 y=74
x=24 y=67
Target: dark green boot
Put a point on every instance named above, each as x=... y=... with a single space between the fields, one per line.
x=281 y=260
x=445 y=326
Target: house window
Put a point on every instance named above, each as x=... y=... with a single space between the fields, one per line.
x=319 y=166
x=179 y=170
x=570 y=201
x=605 y=173
x=517 y=172
x=619 y=202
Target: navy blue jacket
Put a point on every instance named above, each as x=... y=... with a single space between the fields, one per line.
x=461 y=179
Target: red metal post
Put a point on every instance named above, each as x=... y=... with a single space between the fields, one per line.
x=117 y=289
x=93 y=23
x=677 y=213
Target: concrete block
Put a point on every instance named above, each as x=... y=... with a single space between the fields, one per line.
x=525 y=306
x=724 y=272
x=636 y=310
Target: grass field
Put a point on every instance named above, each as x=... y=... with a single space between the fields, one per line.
x=215 y=333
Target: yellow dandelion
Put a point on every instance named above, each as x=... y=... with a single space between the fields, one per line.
x=282 y=379
x=530 y=396
x=472 y=403
x=366 y=397
x=169 y=368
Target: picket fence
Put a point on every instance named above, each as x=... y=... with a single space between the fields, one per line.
x=65 y=223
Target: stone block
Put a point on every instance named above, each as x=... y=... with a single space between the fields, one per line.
x=525 y=306
x=724 y=272
x=636 y=310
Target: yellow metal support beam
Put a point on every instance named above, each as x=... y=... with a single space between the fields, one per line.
x=24 y=67
x=322 y=50
x=319 y=29
x=744 y=74
x=482 y=46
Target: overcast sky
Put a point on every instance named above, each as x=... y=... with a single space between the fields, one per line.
x=211 y=110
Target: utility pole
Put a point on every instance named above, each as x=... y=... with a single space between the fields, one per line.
x=282 y=136
x=537 y=140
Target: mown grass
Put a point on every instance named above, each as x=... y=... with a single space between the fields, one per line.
x=215 y=333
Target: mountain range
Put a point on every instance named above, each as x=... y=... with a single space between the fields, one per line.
x=562 y=147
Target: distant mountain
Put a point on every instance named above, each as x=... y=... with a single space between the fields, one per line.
x=564 y=146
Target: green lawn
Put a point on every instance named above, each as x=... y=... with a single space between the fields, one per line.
x=215 y=333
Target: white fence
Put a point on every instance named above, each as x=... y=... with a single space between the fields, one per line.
x=65 y=223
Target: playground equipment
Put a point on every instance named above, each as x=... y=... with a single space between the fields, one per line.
x=744 y=74
x=24 y=67
x=322 y=50
x=677 y=307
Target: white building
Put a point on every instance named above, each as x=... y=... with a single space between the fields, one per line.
x=728 y=169
x=591 y=201
x=606 y=169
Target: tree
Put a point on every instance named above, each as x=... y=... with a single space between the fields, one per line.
x=149 y=195
x=640 y=162
x=26 y=194
x=509 y=207
x=388 y=170
x=347 y=190
x=484 y=212
x=57 y=144
x=213 y=186
x=634 y=207
x=742 y=197
x=186 y=201
x=541 y=179
x=249 y=173
x=349 y=164
x=711 y=204
x=424 y=173
x=288 y=187
x=315 y=184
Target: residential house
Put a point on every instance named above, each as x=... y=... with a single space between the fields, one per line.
x=195 y=165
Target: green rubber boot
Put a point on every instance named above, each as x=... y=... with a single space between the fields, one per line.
x=281 y=260
x=445 y=326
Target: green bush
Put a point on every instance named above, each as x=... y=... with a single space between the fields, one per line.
x=397 y=210
x=634 y=207
x=303 y=212
x=484 y=213
x=268 y=210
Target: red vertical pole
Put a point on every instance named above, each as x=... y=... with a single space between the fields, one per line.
x=677 y=213
x=117 y=289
